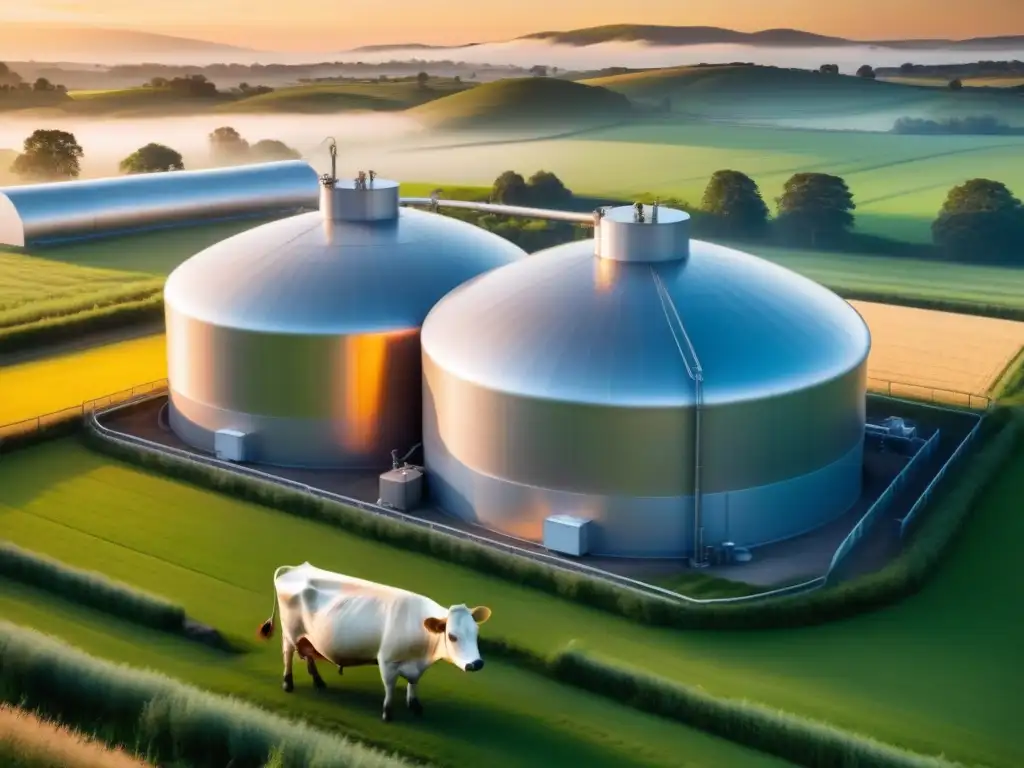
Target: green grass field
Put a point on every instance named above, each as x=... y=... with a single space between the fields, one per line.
x=68 y=279
x=770 y=94
x=938 y=673
x=218 y=556
x=345 y=97
x=899 y=182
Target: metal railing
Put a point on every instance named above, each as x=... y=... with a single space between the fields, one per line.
x=900 y=390
x=91 y=409
x=927 y=492
x=504 y=210
x=881 y=505
x=650 y=590
x=39 y=423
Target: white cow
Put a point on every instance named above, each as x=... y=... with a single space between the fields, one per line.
x=350 y=622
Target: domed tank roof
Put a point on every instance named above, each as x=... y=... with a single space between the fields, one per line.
x=318 y=273
x=566 y=324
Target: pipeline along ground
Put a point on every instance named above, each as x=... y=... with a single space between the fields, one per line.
x=938 y=673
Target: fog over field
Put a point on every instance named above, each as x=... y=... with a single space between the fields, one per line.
x=106 y=142
x=638 y=56
x=527 y=53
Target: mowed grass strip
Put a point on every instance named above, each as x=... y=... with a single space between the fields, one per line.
x=28 y=741
x=950 y=351
x=130 y=526
x=66 y=380
x=887 y=675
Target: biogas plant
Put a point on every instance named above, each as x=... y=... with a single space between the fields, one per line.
x=637 y=395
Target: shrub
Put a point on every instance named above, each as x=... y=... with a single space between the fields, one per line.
x=902 y=577
x=792 y=738
x=164 y=719
x=69 y=327
x=90 y=589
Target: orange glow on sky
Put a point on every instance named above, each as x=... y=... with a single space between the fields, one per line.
x=320 y=25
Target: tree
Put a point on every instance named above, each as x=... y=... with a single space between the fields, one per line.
x=510 y=188
x=829 y=69
x=152 y=158
x=735 y=201
x=422 y=79
x=815 y=205
x=956 y=85
x=539 y=70
x=867 y=72
x=42 y=84
x=981 y=220
x=272 y=149
x=547 y=190
x=8 y=76
x=907 y=68
x=227 y=146
x=50 y=155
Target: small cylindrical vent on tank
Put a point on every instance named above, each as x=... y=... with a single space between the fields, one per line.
x=365 y=198
x=643 y=233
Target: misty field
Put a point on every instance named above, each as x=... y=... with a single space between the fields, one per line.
x=928 y=349
x=865 y=674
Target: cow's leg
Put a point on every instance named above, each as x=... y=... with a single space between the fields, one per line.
x=288 y=651
x=318 y=682
x=412 y=674
x=389 y=674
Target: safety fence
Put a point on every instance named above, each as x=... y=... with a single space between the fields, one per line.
x=93 y=423
x=151 y=390
x=40 y=423
x=882 y=504
x=927 y=493
x=936 y=395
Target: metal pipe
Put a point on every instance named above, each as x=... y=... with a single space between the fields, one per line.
x=696 y=374
x=503 y=210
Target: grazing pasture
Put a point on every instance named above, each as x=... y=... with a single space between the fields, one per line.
x=939 y=349
x=886 y=674
x=501 y=717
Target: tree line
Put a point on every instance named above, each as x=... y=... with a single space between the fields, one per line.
x=55 y=155
x=980 y=221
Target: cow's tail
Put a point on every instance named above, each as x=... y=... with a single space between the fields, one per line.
x=266 y=630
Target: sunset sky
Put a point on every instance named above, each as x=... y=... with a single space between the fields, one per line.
x=331 y=24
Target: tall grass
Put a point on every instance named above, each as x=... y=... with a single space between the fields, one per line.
x=90 y=589
x=804 y=742
x=159 y=717
x=28 y=741
x=51 y=330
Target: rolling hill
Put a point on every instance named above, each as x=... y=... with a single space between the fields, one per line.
x=345 y=97
x=655 y=34
x=528 y=100
x=747 y=92
x=65 y=42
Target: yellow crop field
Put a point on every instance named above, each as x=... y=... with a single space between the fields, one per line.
x=67 y=380
x=941 y=350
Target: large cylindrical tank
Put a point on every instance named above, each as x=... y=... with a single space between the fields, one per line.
x=302 y=335
x=628 y=378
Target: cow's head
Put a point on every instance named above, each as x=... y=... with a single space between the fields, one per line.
x=459 y=633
